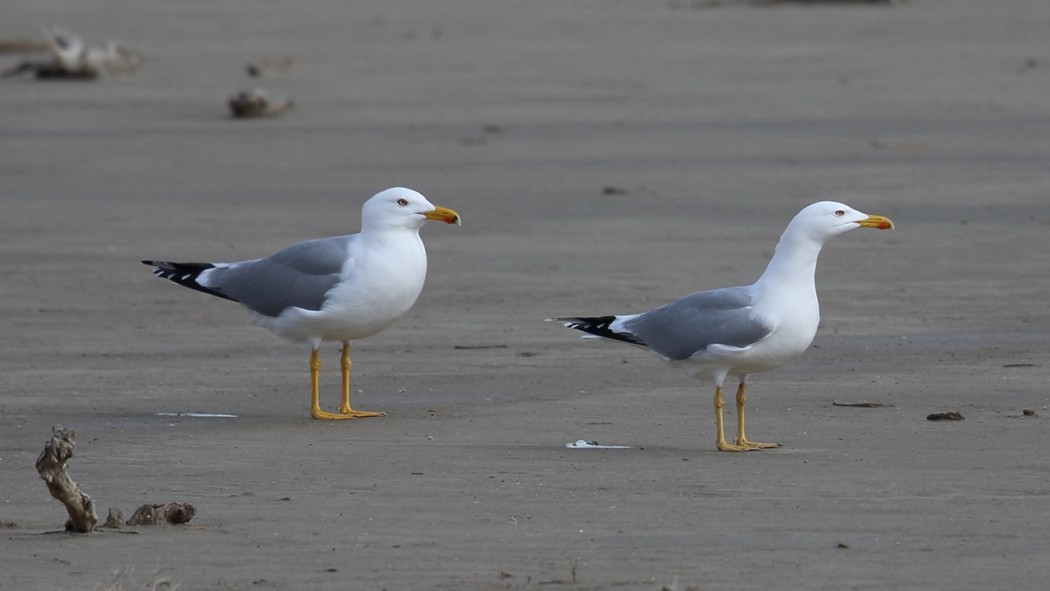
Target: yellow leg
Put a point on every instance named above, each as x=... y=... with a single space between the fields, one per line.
x=315 y=399
x=721 y=443
x=345 y=412
x=741 y=439
x=344 y=366
x=344 y=408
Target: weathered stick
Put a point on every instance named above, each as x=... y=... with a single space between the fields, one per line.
x=172 y=513
x=52 y=468
x=254 y=103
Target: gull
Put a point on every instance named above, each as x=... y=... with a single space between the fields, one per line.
x=72 y=58
x=75 y=58
x=737 y=331
x=342 y=288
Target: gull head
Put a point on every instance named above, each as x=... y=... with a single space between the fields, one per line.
x=403 y=208
x=825 y=219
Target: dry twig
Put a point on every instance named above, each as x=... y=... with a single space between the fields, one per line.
x=250 y=104
x=52 y=468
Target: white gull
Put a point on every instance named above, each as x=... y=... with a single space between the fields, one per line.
x=737 y=331
x=342 y=288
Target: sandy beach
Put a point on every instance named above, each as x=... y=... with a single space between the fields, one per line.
x=606 y=157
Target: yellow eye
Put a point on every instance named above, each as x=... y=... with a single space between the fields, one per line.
x=402 y=202
x=839 y=213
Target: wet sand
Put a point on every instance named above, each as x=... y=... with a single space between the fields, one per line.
x=606 y=157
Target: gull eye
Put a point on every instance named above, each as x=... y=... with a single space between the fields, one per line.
x=839 y=213
x=402 y=202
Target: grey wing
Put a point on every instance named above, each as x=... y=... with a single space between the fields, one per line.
x=689 y=325
x=300 y=275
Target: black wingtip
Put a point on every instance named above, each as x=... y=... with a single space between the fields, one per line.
x=185 y=274
x=599 y=326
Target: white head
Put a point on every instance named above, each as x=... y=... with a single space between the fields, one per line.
x=402 y=208
x=800 y=244
x=825 y=219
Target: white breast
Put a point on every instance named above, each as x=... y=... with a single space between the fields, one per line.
x=380 y=284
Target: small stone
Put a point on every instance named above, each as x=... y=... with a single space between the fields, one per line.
x=115 y=519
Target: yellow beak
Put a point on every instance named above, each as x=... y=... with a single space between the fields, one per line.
x=443 y=214
x=877 y=221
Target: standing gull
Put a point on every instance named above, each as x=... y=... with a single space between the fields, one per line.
x=341 y=288
x=737 y=331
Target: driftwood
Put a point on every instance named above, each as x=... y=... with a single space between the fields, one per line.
x=52 y=468
x=82 y=517
x=172 y=513
x=269 y=67
x=249 y=104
